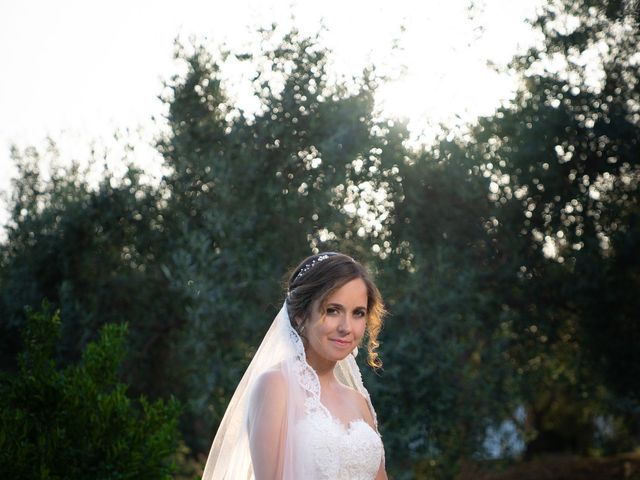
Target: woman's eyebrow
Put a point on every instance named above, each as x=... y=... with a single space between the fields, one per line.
x=339 y=305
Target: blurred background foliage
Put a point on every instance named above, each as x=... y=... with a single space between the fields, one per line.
x=507 y=253
x=78 y=421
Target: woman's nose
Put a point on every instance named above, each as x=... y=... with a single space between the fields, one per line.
x=345 y=323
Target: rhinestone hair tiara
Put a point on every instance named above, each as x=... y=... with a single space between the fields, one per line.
x=310 y=265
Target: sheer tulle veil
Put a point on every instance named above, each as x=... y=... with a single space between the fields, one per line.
x=281 y=351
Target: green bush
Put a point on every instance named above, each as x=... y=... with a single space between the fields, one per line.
x=77 y=421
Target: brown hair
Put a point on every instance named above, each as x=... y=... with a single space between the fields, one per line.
x=317 y=277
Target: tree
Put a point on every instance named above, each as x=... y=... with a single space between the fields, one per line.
x=96 y=254
x=561 y=165
x=78 y=421
x=565 y=179
x=512 y=270
x=251 y=195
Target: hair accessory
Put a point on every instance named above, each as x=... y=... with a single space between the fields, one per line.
x=310 y=265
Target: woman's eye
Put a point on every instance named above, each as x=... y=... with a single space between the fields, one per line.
x=332 y=311
x=361 y=313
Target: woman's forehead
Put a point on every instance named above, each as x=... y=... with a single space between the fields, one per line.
x=354 y=291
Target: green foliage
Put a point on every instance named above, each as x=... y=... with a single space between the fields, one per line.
x=78 y=421
x=570 y=150
x=490 y=316
x=563 y=162
x=444 y=380
x=88 y=251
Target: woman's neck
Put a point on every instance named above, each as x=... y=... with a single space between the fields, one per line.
x=323 y=368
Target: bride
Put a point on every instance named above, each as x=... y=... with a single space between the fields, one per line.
x=301 y=411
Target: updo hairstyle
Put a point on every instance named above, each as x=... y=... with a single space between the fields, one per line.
x=317 y=277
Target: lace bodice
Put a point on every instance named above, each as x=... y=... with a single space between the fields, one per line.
x=330 y=450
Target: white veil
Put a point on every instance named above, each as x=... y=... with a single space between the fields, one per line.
x=281 y=351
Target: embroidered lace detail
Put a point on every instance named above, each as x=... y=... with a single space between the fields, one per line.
x=332 y=451
x=307 y=376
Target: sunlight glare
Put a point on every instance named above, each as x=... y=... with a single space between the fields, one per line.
x=444 y=59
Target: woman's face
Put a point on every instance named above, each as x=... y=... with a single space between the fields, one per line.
x=333 y=337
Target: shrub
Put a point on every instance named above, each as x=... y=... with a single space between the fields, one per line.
x=77 y=421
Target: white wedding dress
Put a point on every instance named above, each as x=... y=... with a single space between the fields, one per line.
x=330 y=450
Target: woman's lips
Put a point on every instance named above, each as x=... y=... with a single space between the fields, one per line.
x=341 y=343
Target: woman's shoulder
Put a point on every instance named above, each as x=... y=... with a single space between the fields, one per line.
x=269 y=392
x=271 y=381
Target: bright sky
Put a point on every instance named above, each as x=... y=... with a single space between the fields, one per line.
x=78 y=70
